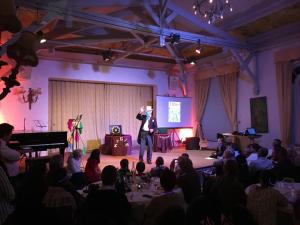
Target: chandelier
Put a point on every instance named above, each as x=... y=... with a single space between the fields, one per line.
x=211 y=10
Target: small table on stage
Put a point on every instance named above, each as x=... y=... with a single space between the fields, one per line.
x=162 y=143
x=118 y=145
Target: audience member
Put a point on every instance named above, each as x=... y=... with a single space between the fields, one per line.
x=263 y=200
x=124 y=177
x=140 y=169
x=7 y=195
x=56 y=162
x=221 y=145
x=60 y=205
x=8 y=156
x=262 y=163
x=124 y=170
x=74 y=169
x=243 y=170
x=253 y=149
x=174 y=163
x=30 y=194
x=107 y=204
x=168 y=199
x=282 y=166
x=227 y=192
x=92 y=170
x=159 y=168
x=188 y=179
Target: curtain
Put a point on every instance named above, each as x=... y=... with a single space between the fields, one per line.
x=284 y=92
x=201 y=93
x=228 y=88
x=101 y=105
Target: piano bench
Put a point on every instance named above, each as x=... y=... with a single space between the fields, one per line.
x=29 y=162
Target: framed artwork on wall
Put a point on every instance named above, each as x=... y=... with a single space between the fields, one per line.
x=259 y=114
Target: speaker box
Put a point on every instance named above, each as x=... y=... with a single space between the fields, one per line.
x=192 y=143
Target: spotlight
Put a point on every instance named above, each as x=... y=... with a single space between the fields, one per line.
x=107 y=55
x=199 y=48
x=191 y=60
x=41 y=37
x=173 y=38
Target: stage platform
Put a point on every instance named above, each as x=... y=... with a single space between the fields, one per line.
x=200 y=158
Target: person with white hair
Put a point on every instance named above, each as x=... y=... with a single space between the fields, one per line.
x=146 y=132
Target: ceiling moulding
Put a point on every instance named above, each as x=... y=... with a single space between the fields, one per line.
x=97 y=60
x=215 y=71
x=116 y=23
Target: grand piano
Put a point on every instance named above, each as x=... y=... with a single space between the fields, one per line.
x=39 y=140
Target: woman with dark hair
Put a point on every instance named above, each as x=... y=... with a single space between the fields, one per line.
x=159 y=168
x=263 y=200
x=92 y=170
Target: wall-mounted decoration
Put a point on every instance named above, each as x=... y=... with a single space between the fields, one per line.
x=259 y=114
x=30 y=96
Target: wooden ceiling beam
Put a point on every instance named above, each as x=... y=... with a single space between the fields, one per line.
x=116 y=23
x=256 y=12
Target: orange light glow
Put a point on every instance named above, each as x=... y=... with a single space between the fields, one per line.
x=184 y=133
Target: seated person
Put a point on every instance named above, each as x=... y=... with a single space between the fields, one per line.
x=221 y=146
x=262 y=163
x=74 y=169
x=74 y=162
x=124 y=177
x=263 y=200
x=140 y=169
x=92 y=170
x=276 y=143
x=59 y=203
x=174 y=164
x=253 y=149
x=124 y=171
x=107 y=204
x=168 y=199
x=159 y=168
x=56 y=163
x=8 y=156
x=188 y=179
x=282 y=166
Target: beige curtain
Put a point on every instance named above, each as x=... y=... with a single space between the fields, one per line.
x=201 y=93
x=100 y=104
x=228 y=87
x=284 y=92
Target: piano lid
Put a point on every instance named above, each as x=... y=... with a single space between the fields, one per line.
x=36 y=131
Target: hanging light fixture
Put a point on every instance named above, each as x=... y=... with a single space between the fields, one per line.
x=107 y=55
x=41 y=37
x=211 y=10
x=199 y=48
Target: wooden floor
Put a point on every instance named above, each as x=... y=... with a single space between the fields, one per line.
x=199 y=158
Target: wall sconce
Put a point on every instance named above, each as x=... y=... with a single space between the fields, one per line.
x=31 y=96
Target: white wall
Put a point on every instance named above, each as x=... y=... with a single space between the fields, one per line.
x=268 y=88
x=215 y=119
x=14 y=112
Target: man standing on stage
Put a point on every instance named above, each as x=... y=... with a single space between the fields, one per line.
x=147 y=129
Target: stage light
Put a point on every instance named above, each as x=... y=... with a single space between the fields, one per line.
x=41 y=37
x=173 y=38
x=107 y=55
x=199 y=48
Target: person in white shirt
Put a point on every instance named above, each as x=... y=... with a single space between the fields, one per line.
x=8 y=156
x=147 y=129
x=253 y=152
x=262 y=163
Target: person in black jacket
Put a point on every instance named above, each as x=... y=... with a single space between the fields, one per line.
x=147 y=129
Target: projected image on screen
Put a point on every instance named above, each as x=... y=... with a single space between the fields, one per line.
x=174 y=112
